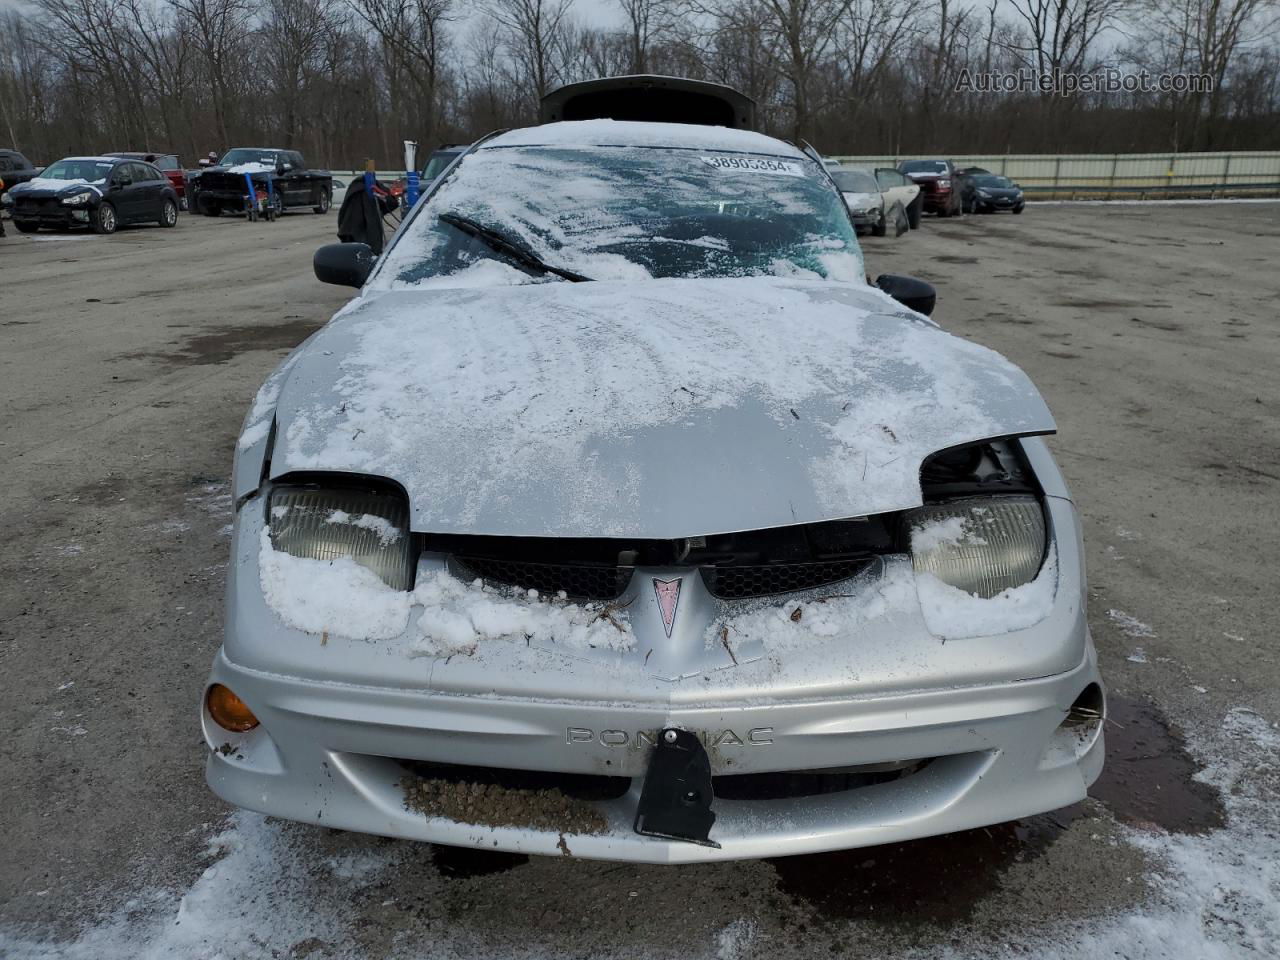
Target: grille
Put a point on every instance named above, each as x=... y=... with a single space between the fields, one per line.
x=222 y=181
x=738 y=582
x=579 y=581
x=36 y=204
x=795 y=784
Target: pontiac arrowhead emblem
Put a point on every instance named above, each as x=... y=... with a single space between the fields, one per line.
x=668 y=594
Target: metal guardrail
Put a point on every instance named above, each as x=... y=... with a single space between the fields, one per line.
x=1144 y=175
x=1149 y=191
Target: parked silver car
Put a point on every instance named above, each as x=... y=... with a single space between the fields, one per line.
x=727 y=553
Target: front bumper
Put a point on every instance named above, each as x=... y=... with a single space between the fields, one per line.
x=1001 y=754
x=52 y=213
x=866 y=219
x=339 y=719
x=936 y=201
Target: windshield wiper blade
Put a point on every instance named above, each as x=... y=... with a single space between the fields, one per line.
x=495 y=240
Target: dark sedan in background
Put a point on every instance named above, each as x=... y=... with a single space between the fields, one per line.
x=992 y=193
x=99 y=192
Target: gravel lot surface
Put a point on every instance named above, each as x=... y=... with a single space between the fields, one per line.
x=126 y=366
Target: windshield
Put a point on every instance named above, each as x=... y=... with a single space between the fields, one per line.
x=242 y=155
x=855 y=181
x=924 y=166
x=91 y=171
x=627 y=212
x=435 y=166
x=992 y=181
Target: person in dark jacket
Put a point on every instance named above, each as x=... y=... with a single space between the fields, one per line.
x=1 y=210
x=360 y=216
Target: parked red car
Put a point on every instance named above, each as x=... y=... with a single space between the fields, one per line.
x=169 y=166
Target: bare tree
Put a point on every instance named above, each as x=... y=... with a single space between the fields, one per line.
x=645 y=19
x=220 y=29
x=532 y=31
x=413 y=35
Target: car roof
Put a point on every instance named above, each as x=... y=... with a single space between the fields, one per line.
x=135 y=155
x=105 y=158
x=629 y=133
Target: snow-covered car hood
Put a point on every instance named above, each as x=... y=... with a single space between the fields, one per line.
x=42 y=186
x=652 y=409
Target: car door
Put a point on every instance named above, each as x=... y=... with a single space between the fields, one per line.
x=896 y=187
x=297 y=189
x=156 y=187
x=121 y=193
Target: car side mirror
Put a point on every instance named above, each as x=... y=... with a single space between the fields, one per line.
x=346 y=264
x=286 y=167
x=121 y=183
x=911 y=293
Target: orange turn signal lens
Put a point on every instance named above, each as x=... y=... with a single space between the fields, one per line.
x=228 y=710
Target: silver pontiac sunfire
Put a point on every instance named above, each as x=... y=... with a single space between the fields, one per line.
x=619 y=516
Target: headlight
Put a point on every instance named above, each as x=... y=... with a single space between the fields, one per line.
x=981 y=546
x=369 y=527
x=77 y=198
x=944 y=183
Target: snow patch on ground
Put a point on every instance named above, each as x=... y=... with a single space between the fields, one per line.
x=1218 y=895
x=954 y=614
x=1130 y=626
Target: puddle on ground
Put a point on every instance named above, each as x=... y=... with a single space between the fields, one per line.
x=940 y=879
x=1148 y=780
x=229 y=342
x=460 y=863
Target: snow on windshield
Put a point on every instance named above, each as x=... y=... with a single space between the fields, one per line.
x=74 y=171
x=631 y=213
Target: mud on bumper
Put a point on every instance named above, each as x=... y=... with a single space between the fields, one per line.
x=817 y=776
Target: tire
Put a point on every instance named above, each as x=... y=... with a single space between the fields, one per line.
x=168 y=213
x=105 y=220
x=25 y=227
x=323 y=206
x=1017 y=210
x=881 y=228
x=211 y=209
x=277 y=206
x=913 y=212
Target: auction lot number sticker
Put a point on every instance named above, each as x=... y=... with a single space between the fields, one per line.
x=755 y=165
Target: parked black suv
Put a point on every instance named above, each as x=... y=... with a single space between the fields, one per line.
x=14 y=169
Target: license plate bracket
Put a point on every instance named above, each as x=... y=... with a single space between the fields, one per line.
x=675 y=801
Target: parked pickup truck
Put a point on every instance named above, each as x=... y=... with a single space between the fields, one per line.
x=15 y=169
x=281 y=174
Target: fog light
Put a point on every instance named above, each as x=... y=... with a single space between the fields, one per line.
x=228 y=710
x=1089 y=709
